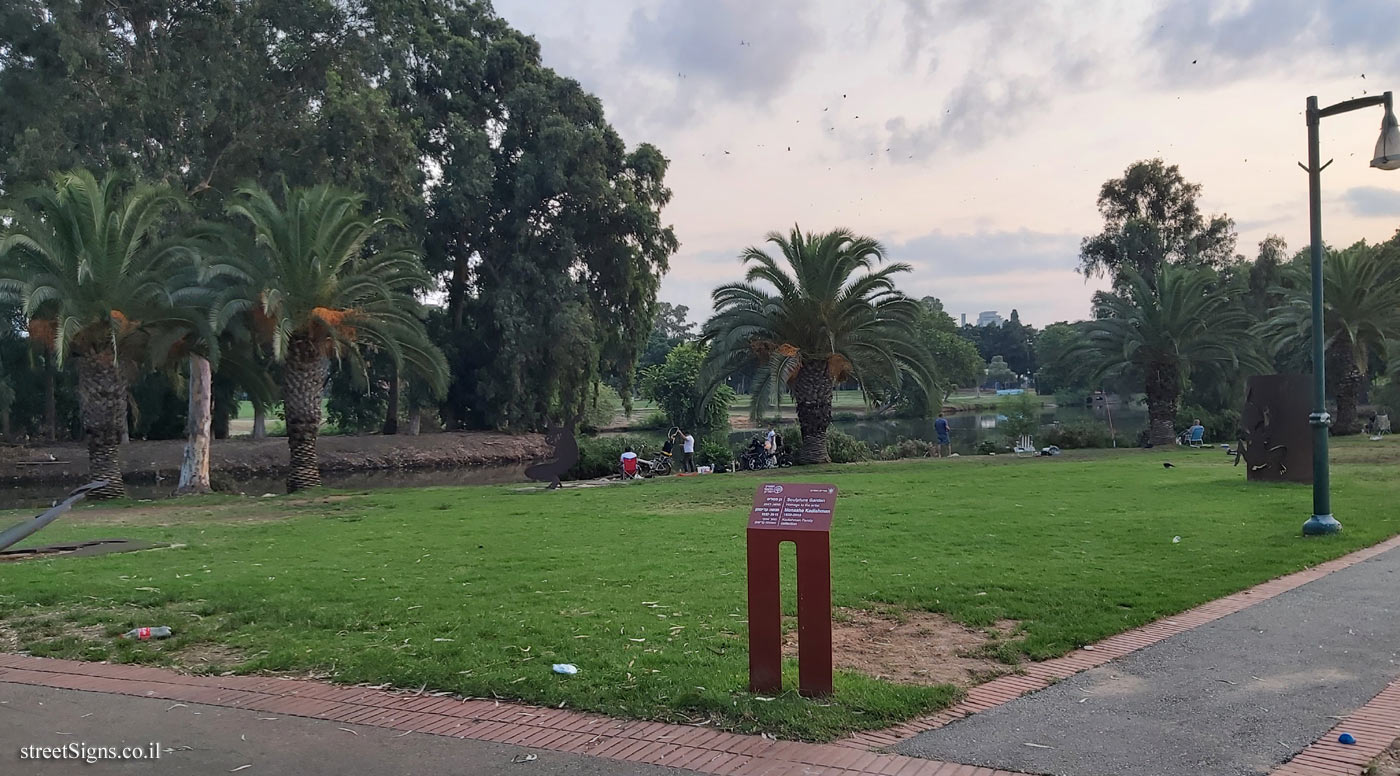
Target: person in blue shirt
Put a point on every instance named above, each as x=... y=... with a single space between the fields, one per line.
x=940 y=427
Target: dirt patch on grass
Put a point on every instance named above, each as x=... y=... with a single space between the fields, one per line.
x=206 y=656
x=912 y=647
x=1388 y=763
x=50 y=626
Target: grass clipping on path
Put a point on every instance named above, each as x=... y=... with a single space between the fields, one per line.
x=480 y=590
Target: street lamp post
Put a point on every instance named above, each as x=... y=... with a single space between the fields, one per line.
x=1387 y=157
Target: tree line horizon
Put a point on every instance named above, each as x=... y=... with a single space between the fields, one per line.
x=433 y=131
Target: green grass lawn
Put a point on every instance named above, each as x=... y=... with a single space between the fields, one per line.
x=479 y=590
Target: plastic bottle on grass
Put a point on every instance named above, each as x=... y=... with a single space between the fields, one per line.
x=144 y=634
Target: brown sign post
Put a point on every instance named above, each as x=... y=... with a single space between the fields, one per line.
x=801 y=514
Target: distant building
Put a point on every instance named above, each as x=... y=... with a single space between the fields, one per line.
x=964 y=319
x=989 y=318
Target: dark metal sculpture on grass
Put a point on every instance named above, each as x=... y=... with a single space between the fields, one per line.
x=1275 y=438
x=565 y=455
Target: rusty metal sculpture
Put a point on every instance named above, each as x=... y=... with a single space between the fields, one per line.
x=565 y=455
x=1275 y=439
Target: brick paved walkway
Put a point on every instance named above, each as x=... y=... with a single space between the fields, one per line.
x=699 y=748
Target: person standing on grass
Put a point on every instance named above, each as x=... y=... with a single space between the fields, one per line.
x=688 y=447
x=940 y=428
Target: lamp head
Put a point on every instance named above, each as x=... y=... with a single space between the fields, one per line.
x=1387 y=155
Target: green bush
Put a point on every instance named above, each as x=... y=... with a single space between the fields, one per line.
x=987 y=447
x=674 y=386
x=1022 y=417
x=1075 y=436
x=653 y=419
x=1221 y=426
x=844 y=448
x=906 y=448
x=792 y=437
x=599 y=456
x=713 y=452
x=1070 y=398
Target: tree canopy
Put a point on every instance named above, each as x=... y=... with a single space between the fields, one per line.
x=1361 y=314
x=1152 y=217
x=1160 y=332
x=540 y=222
x=832 y=314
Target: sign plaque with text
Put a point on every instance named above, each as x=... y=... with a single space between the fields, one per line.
x=793 y=507
x=799 y=513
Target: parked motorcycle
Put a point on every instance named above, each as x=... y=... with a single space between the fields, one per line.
x=757 y=457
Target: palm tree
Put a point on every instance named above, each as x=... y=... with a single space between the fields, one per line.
x=1162 y=330
x=314 y=288
x=85 y=262
x=1361 y=310
x=835 y=317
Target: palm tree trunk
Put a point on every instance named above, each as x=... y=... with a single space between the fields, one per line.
x=194 y=469
x=812 y=391
x=415 y=421
x=102 y=399
x=1163 y=391
x=302 y=382
x=1348 y=385
x=391 y=415
x=259 y=421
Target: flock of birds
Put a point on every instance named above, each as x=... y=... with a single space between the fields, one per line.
x=856 y=116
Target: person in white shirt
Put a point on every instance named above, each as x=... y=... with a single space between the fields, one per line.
x=629 y=463
x=688 y=447
x=772 y=444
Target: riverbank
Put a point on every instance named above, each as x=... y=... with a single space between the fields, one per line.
x=242 y=458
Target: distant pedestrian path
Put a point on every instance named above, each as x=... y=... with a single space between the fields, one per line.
x=1240 y=695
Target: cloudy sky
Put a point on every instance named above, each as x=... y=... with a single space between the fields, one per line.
x=972 y=136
